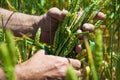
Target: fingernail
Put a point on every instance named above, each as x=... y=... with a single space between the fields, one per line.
x=88 y=27
x=85 y=26
x=79 y=31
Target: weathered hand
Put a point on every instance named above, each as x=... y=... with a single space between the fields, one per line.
x=53 y=17
x=50 y=22
x=41 y=66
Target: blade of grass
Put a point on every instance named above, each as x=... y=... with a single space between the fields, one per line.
x=10 y=6
x=98 y=52
x=70 y=74
x=11 y=45
x=8 y=65
x=90 y=58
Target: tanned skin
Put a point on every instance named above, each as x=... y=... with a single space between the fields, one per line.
x=41 y=66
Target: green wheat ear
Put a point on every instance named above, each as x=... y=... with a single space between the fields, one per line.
x=37 y=38
x=8 y=56
x=11 y=46
x=1 y=35
x=2 y=30
x=70 y=74
x=98 y=52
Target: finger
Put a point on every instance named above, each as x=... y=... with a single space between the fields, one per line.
x=99 y=16
x=75 y=63
x=78 y=48
x=54 y=12
x=63 y=14
x=80 y=36
x=78 y=72
x=57 y=14
x=88 y=27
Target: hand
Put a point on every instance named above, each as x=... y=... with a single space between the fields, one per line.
x=53 y=17
x=87 y=27
x=50 y=22
x=41 y=66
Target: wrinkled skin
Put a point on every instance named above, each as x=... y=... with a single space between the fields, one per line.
x=50 y=23
x=41 y=66
x=55 y=16
x=53 y=67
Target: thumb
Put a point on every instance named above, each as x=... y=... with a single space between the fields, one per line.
x=57 y=14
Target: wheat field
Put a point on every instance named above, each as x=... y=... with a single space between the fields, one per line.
x=101 y=52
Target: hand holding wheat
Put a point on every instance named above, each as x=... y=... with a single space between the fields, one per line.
x=54 y=17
